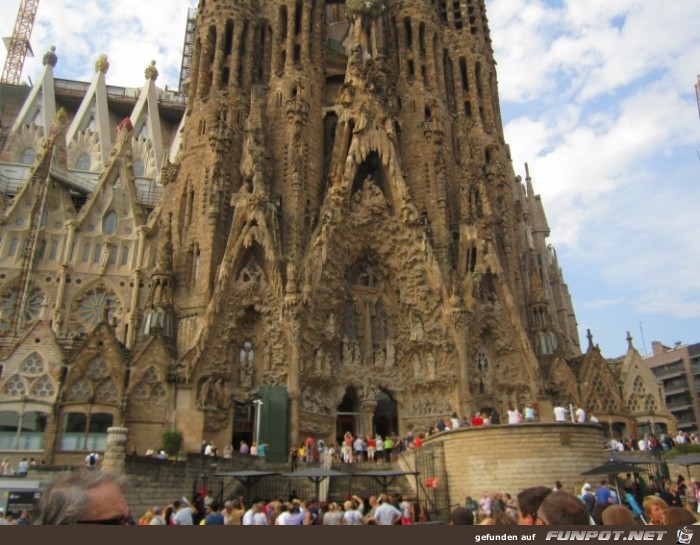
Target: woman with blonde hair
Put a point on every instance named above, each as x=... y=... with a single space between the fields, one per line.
x=654 y=508
x=333 y=515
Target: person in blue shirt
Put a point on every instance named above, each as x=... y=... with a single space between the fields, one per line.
x=603 y=495
x=214 y=517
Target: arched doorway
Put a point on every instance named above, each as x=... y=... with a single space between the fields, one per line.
x=386 y=415
x=348 y=416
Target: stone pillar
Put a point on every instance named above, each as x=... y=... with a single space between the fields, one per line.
x=368 y=408
x=294 y=392
x=545 y=410
x=115 y=451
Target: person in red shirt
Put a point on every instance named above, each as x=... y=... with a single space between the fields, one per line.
x=371 y=448
x=418 y=441
x=477 y=420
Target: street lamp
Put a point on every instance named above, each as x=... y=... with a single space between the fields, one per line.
x=258 y=404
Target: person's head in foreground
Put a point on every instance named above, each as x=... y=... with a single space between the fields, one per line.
x=529 y=501
x=617 y=515
x=84 y=497
x=678 y=516
x=461 y=516
x=562 y=508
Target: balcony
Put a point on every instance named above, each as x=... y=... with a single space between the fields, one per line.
x=675 y=370
x=675 y=389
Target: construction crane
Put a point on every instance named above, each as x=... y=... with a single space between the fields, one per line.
x=18 y=46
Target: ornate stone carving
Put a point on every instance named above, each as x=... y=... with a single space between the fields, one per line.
x=247 y=357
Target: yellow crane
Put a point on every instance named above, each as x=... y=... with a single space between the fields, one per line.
x=18 y=46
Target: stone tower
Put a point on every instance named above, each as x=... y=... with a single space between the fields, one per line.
x=345 y=221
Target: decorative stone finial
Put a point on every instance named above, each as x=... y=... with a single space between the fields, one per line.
x=590 y=340
x=102 y=64
x=152 y=72
x=629 y=341
x=50 y=58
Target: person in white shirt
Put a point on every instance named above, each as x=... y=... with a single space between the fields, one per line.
x=514 y=416
x=580 y=414
x=643 y=444
x=183 y=513
x=560 y=414
x=386 y=514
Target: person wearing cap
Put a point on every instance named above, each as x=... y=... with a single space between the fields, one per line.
x=157 y=519
x=588 y=498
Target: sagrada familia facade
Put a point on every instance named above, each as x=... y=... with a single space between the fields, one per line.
x=329 y=209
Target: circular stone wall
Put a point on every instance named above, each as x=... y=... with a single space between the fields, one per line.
x=510 y=458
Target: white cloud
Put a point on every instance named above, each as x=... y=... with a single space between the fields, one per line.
x=605 y=114
x=130 y=32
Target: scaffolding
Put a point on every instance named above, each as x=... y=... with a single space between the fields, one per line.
x=37 y=219
x=18 y=46
x=188 y=51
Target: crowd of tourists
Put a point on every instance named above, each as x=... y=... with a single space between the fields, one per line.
x=88 y=496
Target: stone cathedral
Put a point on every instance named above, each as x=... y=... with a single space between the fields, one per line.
x=327 y=208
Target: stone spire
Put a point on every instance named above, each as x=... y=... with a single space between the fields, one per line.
x=589 y=336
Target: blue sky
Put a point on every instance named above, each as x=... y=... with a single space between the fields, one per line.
x=597 y=96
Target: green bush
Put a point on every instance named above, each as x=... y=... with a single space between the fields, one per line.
x=172 y=441
x=364 y=7
x=683 y=448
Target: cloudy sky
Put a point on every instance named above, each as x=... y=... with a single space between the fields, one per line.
x=597 y=96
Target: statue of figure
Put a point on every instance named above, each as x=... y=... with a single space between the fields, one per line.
x=367 y=390
x=347 y=352
x=417 y=331
x=247 y=358
x=221 y=395
x=417 y=366
x=318 y=360
x=356 y=355
x=432 y=365
x=379 y=358
x=390 y=354
x=206 y=394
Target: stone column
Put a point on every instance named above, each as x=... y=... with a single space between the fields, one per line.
x=115 y=451
x=545 y=410
x=294 y=384
x=368 y=408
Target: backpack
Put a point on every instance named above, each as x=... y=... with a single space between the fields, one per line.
x=92 y=459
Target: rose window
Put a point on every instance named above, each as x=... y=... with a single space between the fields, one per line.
x=92 y=307
x=9 y=302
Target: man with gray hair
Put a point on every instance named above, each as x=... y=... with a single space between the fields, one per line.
x=84 y=497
